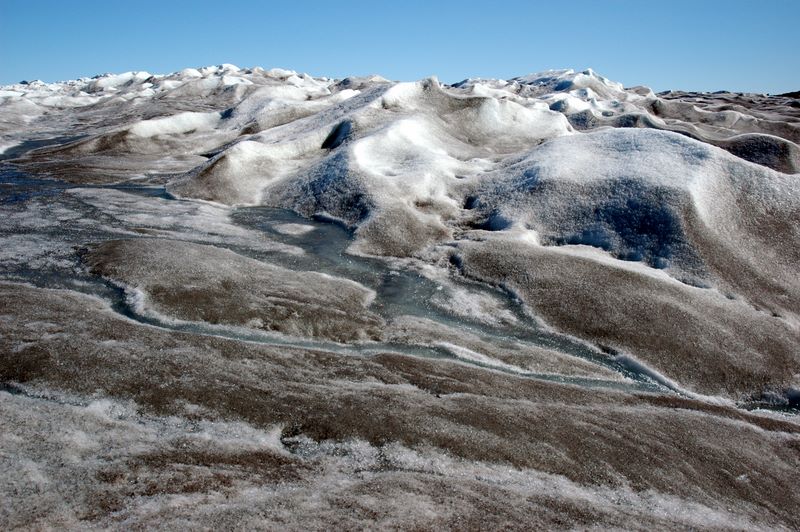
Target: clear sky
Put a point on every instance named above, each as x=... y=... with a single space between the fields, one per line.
x=695 y=45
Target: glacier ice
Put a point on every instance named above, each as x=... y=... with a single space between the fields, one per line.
x=257 y=298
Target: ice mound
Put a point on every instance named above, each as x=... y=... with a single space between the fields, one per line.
x=640 y=195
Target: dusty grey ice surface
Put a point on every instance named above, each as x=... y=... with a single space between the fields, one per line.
x=218 y=286
x=151 y=427
x=239 y=298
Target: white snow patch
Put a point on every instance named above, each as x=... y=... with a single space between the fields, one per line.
x=293 y=229
x=175 y=124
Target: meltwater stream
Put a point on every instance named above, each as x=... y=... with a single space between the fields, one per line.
x=401 y=291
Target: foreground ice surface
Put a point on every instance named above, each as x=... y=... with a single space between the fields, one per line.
x=246 y=298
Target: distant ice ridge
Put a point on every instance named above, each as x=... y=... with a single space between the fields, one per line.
x=694 y=198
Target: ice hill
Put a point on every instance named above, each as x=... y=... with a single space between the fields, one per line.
x=661 y=226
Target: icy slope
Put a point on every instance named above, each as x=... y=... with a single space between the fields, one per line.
x=421 y=169
x=261 y=299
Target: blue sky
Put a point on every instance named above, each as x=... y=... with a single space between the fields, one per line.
x=698 y=45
